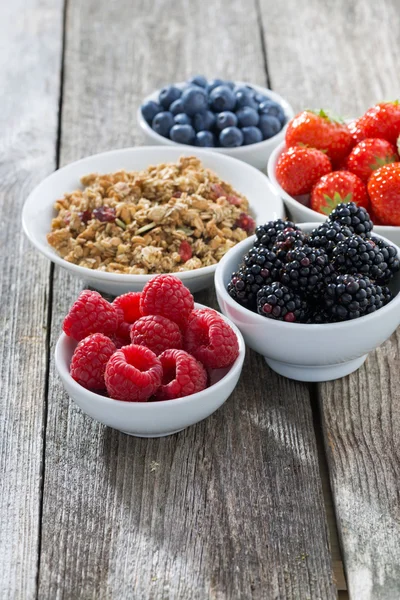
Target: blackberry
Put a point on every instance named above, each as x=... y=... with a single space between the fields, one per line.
x=260 y=267
x=354 y=217
x=307 y=270
x=328 y=235
x=319 y=315
x=288 y=239
x=266 y=234
x=276 y=301
x=390 y=257
x=358 y=255
x=352 y=296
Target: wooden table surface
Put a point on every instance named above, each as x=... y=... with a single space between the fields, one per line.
x=244 y=505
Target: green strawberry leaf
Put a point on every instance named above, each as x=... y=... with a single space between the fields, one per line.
x=328 y=116
x=331 y=203
x=381 y=161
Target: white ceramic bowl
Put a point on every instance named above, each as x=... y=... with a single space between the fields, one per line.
x=151 y=419
x=255 y=154
x=38 y=210
x=301 y=213
x=307 y=352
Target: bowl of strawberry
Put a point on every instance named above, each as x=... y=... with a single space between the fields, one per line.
x=325 y=161
x=150 y=363
x=313 y=298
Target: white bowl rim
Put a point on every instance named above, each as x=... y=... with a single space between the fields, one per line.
x=220 y=288
x=106 y=401
x=307 y=210
x=287 y=107
x=46 y=250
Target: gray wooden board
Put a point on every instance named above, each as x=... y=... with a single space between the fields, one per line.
x=30 y=59
x=345 y=55
x=232 y=507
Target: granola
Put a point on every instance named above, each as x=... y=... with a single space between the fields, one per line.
x=168 y=218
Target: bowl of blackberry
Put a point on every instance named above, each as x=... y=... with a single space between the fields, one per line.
x=235 y=118
x=312 y=298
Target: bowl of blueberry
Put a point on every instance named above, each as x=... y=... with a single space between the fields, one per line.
x=313 y=299
x=235 y=118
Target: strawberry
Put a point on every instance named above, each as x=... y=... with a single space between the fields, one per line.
x=319 y=130
x=384 y=191
x=380 y=121
x=369 y=155
x=338 y=187
x=299 y=168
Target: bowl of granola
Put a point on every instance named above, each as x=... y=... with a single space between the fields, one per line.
x=118 y=218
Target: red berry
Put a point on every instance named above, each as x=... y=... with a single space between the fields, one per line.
x=105 y=214
x=157 y=333
x=369 y=155
x=338 y=187
x=130 y=305
x=380 y=121
x=122 y=337
x=384 y=191
x=319 y=130
x=185 y=251
x=298 y=169
x=210 y=339
x=90 y=313
x=166 y=295
x=246 y=222
x=88 y=363
x=133 y=374
x=183 y=375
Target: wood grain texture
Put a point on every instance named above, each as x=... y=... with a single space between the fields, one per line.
x=361 y=416
x=316 y=58
x=333 y=54
x=232 y=507
x=30 y=58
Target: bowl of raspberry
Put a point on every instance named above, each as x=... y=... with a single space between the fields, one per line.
x=325 y=161
x=313 y=298
x=239 y=119
x=150 y=363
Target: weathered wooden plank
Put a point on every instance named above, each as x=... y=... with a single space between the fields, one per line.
x=231 y=508
x=344 y=56
x=30 y=59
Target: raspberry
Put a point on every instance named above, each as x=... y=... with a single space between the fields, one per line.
x=166 y=295
x=89 y=361
x=210 y=339
x=157 y=333
x=183 y=375
x=133 y=374
x=122 y=337
x=90 y=313
x=130 y=305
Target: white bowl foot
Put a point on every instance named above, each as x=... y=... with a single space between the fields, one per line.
x=321 y=373
x=153 y=435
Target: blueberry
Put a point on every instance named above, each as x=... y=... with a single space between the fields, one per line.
x=222 y=98
x=199 y=80
x=230 y=84
x=213 y=84
x=246 y=89
x=251 y=135
x=163 y=122
x=226 y=119
x=150 y=109
x=260 y=98
x=176 y=107
x=182 y=134
x=231 y=137
x=245 y=98
x=273 y=109
x=204 y=120
x=247 y=116
x=269 y=126
x=204 y=139
x=182 y=119
x=194 y=100
x=168 y=95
